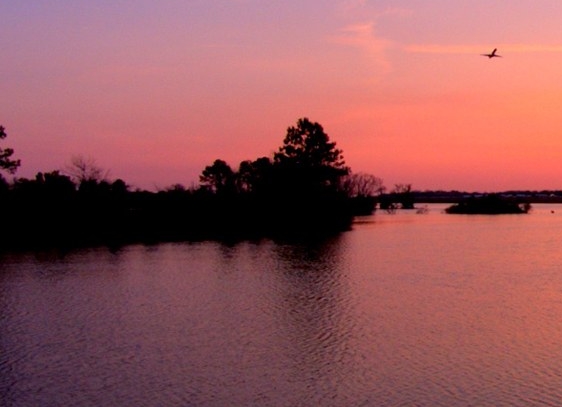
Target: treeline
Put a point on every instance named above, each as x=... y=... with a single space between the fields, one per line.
x=524 y=196
x=304 y=188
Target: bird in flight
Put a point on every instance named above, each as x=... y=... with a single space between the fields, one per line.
x=492 y=54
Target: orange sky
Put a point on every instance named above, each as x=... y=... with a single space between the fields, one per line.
x=155 y=91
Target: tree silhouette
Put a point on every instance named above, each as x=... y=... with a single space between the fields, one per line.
x=362 y=190
x=307 y=157
x=404 y=195
x=55 y=183
x=254 y=176
x=85 y=170
x=6 y=162
x=296 y=192
x=307 y=145
x=362 y=185
x=219 y=177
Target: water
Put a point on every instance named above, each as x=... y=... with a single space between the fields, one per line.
x=405 y=309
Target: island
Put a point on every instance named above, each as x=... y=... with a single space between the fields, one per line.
x=489 y=204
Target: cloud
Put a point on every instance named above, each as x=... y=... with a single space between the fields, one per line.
x=478 y=49
x=362 y=33
x=347 y=6
x=396 y=12
x=351 y=6
x=362 y=36
x=533 y=48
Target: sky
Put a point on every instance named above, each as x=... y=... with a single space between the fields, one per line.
x=154 y=91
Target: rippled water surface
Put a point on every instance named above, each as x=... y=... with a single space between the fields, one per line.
x=405 y=309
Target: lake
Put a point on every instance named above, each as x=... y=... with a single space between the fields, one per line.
x=405 y=309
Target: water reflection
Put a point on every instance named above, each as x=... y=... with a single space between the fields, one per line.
x=406 y=310
x=315 y=313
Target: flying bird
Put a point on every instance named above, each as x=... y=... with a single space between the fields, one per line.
x=492 y=54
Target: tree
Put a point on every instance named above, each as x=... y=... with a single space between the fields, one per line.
x=219 y=177
x=119 y=187
x=362 y=185
x=307 y=145
x=55 y=183
x=404 y=195
x=6 y=162
x=176 y=188
x=309 y=155
x=4 y=186
x=85 y=170
x=362 y=191
x=254 y=176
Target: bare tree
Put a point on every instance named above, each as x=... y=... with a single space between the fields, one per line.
x=362 y=185
x=84 y=169
x=402 y=188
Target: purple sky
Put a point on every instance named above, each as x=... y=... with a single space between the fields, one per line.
x=155 y=91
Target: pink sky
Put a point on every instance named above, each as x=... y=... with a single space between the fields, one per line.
x=155 y=91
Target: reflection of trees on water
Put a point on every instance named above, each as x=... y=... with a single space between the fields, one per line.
x=314 y=307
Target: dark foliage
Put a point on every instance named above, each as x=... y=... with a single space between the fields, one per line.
x=219 y=178
x=6 y=162
x=401 y=197
x=294 y=194
x=491 y=204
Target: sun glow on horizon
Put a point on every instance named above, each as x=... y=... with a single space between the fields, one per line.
x=155 y=92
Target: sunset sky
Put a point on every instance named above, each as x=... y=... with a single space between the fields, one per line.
x=156 y=90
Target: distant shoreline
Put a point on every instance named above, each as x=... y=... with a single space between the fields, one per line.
x=452 y=197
